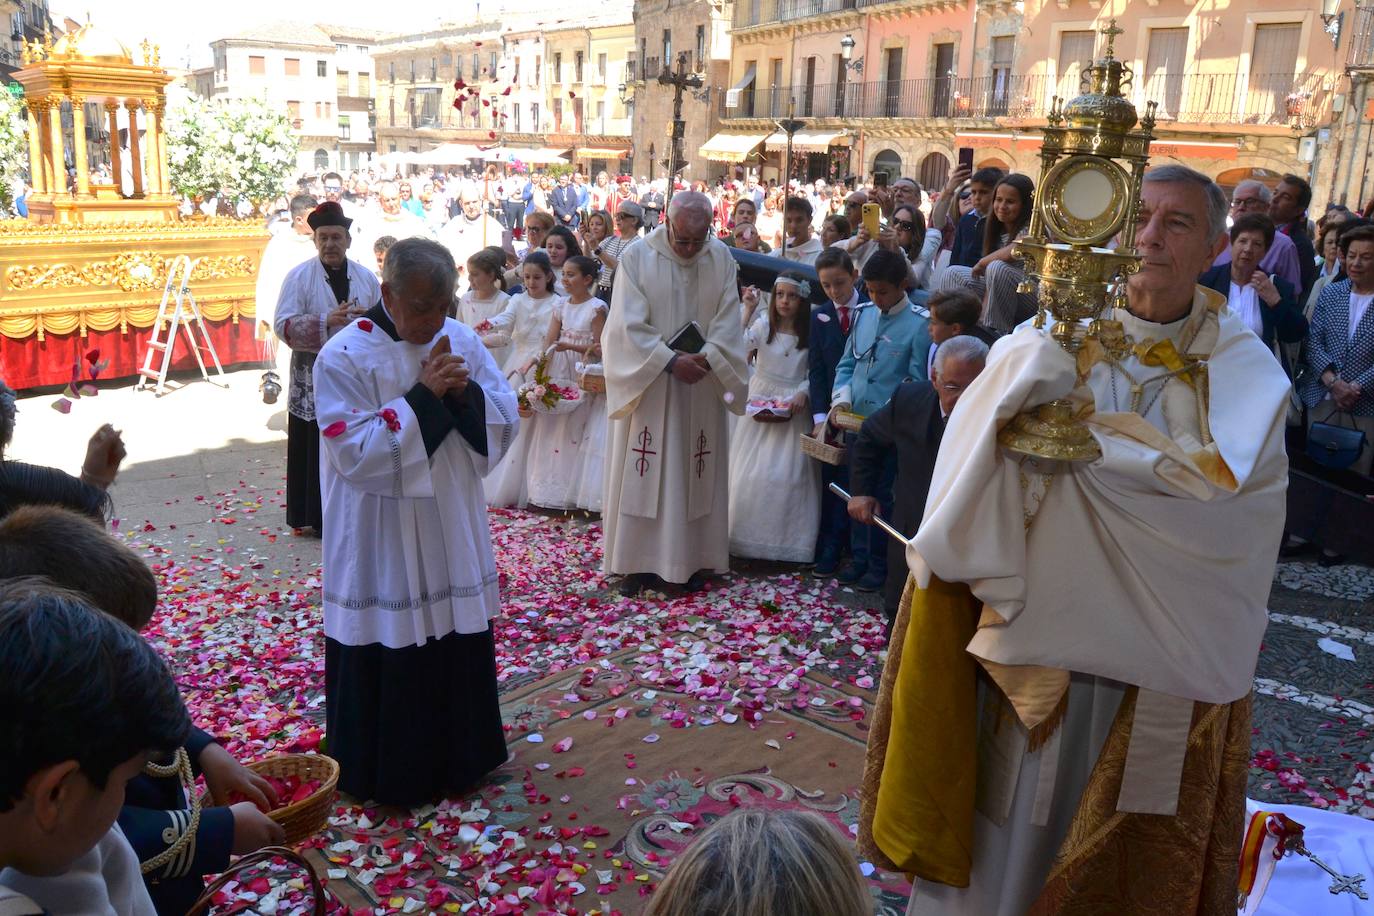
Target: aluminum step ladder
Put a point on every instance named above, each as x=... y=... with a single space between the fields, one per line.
x=178 y=311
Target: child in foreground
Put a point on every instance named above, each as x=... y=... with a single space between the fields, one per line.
x=87 y=703
x=156 y=814
x=755 y=861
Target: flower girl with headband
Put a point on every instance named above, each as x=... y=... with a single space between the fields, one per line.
x=526 y=320
x=486 y=296
x=775 y=489
x=567 y=450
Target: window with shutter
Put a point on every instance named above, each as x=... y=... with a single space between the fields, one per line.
x=1273 y=64
x=1165 y=63
x=1075 y=53
x=257 y=66
x=1003 y=47
x=293 y=66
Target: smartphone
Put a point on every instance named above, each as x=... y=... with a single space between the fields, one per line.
x=966 y=157
x=872 y=216
x=508 y=240
x=880 y=179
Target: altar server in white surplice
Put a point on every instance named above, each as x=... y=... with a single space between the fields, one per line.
x=667 y=504
x=412 y=412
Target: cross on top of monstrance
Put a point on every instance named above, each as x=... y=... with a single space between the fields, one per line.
x=1111 y=31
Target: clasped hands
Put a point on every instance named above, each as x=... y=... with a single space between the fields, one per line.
x=1345 y=394
x=690 y=368
x=444 y=372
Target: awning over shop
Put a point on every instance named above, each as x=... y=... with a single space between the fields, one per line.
x=600 y=152
x=731 y=147
x=809 y=141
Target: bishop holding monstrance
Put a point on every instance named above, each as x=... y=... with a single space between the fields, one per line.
x=1064 y=719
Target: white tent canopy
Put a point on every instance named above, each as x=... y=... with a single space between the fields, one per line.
x=533 y=156
x=449 y=154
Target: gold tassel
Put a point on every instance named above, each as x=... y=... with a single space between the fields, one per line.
x=1045 y=730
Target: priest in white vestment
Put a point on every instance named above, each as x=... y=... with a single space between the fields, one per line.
x=413 y=413
x=388 y=218
x=470 y=231
x=667 y=505
x=1115 y=615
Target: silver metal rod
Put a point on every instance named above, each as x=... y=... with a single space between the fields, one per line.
x=881 y=522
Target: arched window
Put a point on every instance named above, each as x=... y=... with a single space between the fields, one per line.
x=889 y=161
x=321 y=159
x=934 y=171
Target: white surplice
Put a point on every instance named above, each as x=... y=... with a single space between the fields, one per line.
x=667 y=504
x=285 y=251
x=407 y=554
x=465 y=237
x=301 y=320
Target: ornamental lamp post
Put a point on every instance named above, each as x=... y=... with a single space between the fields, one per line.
x=847 y=63
x=788 y=125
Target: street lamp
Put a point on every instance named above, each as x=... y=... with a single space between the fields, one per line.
x=625 y=99
x=847 y=44
x=788 y=125
x=1332 y=20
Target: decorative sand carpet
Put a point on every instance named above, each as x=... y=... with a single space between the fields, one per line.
x=633 y=724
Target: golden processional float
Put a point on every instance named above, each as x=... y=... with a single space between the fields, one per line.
x=87 y=269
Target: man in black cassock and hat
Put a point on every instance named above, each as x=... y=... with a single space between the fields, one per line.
x=318 y=299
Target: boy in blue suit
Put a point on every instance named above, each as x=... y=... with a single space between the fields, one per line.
x=888 y=344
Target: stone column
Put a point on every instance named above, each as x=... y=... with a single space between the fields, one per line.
x=55 y=151
x=135 y=154
x=83 y=178
x=37 y=174
x=164 y=174
x=116 y=152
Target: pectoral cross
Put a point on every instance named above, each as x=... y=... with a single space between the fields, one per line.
x=701 y=452
x=646 y=439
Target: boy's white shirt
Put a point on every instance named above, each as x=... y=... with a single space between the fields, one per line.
x=106 y=881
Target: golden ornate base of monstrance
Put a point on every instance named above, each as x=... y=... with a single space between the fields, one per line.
x=1092 y=162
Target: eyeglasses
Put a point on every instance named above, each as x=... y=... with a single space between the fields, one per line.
x=904 y=225
x=1247 y=203
x=624 y=216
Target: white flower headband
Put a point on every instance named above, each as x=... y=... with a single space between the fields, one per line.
x=803 y=287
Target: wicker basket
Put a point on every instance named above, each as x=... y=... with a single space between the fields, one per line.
x=308 y=816
x=592 y=384
x=822 y=451
x=319 y=899
x=850 y=422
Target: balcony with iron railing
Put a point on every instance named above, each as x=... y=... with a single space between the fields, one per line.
x=750 y=13
x=1262 y=100
x=652 y=69
x=1361 y=53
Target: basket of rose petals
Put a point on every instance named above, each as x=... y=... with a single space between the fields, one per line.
x=769 y=410
x=544 y=395
x=591 y=378
x=305 y=792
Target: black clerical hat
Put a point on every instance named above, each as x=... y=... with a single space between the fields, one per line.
x=328 y=213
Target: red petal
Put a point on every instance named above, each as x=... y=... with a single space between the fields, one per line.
x=506 y=91
x=334 y=429
x=364 y=325
x=93 y=356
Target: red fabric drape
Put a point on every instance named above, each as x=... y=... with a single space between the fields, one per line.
x=28 y=363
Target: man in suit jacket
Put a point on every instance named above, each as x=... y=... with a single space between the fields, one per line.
x=564 y=202
x=1288 y=210
x=911 y=425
